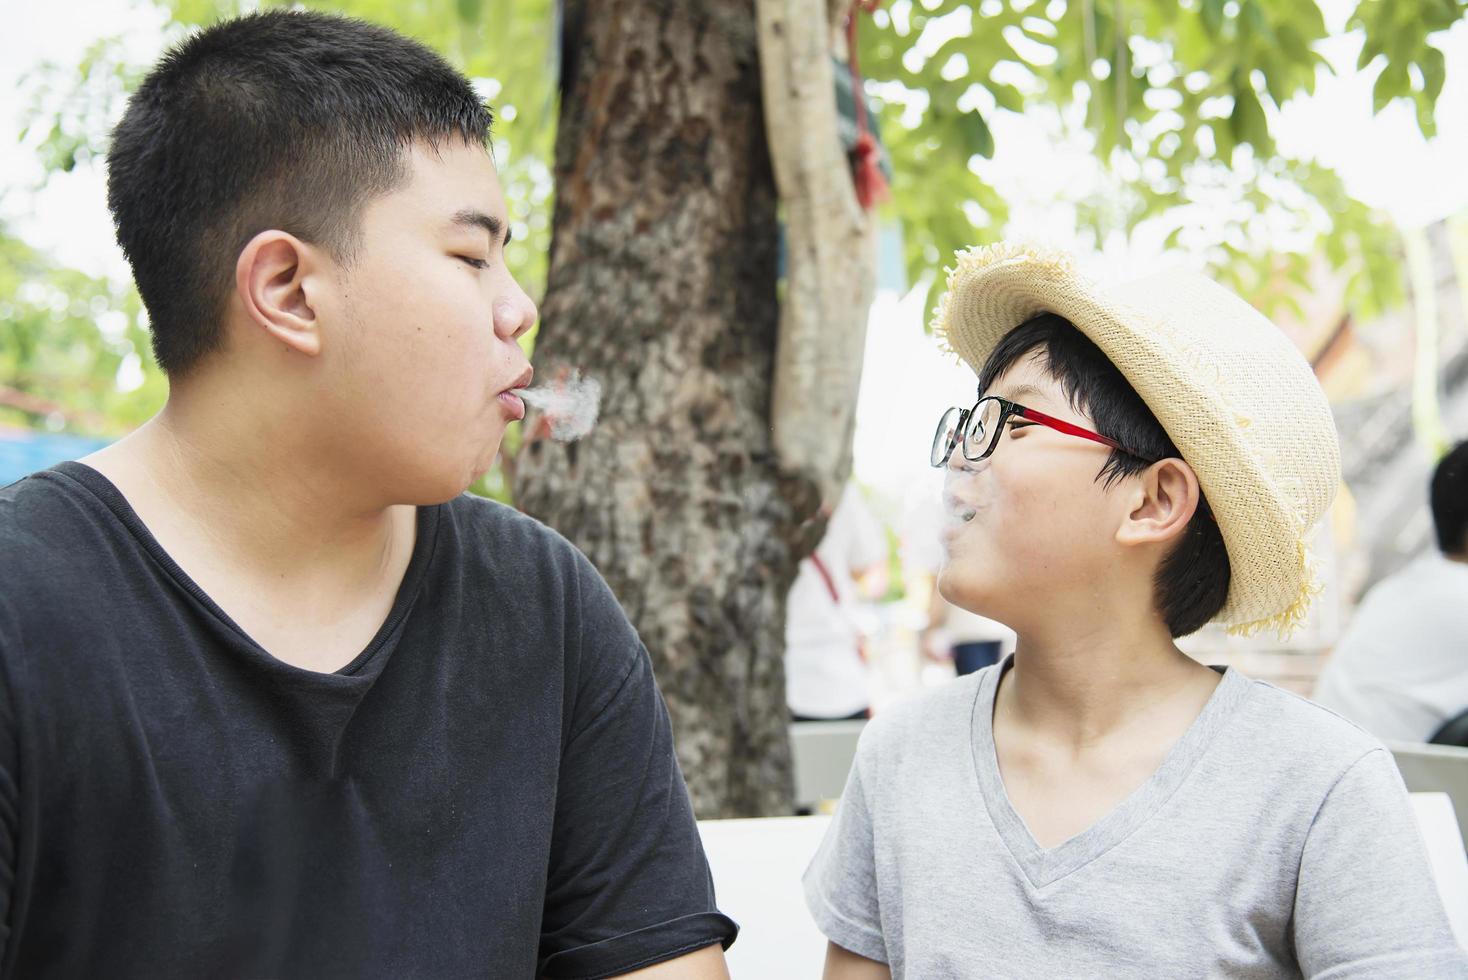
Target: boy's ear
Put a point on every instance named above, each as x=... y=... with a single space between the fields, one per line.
x=1162 y=503
x=275 y=275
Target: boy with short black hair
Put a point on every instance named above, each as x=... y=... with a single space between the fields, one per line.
x=276 y=697
x=1141 y=460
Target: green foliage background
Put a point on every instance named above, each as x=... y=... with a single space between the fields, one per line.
x=1175 y=99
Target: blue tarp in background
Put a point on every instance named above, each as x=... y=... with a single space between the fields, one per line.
x=23 y=451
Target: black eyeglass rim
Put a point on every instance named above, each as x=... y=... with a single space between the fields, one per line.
x=965 y=416
x=1007 y=409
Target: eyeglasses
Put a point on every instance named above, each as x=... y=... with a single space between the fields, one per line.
x=979 y=428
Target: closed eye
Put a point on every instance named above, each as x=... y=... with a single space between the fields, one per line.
x=471 y=260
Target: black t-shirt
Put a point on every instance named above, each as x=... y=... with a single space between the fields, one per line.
x=488 y=790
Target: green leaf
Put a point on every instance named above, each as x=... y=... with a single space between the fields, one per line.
x=1223 y=140
x=1426 y=122
x=1247 y=122
x=1434 y=71
x=1390 y=84
x=977 y=137
x=468 y=10
x=1308 y=19
x=1212 y=12
x=1370 y=50
x=1006 y=96
x=1256 y=28
x=1293 y=47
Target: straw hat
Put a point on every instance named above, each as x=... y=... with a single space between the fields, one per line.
x=1234 y=394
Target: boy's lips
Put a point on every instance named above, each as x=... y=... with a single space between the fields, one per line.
x=523 y=379
x=513 y=402
x=952 y=530
x=958 y=510
x=958 y=514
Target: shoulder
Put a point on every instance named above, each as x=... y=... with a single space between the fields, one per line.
x=509 y=559
x=1297 y=738
x=55 y=536
x=512 y=545
x=919 y=708
x=529 y=572
x=491 y=522
x=30 y=507
x=50 y=528
x=934 y=720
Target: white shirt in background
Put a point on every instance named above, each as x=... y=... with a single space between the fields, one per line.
x=825 y=676
x=1401 y=669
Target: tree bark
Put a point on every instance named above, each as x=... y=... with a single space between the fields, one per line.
x=662 y=286
x=830 y=243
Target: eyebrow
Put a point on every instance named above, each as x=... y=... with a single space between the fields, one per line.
x=1015 y=394
x=478 y=219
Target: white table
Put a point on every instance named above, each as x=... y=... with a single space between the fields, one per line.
x=1439 y=826
x=757 y=866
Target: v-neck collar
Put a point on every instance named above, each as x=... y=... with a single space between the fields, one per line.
x=427 y=518
x=1044 y=866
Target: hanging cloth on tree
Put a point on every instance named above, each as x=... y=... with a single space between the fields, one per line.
x=866 y=153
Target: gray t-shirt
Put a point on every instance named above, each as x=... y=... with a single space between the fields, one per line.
x=1275 y=840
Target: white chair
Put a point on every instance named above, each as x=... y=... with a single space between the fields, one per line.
x=1439 y=826
x=757 y=866
x=823 y=752
x=1435 y=769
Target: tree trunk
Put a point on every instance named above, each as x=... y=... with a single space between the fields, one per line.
x=661 y=286
x=830 y=244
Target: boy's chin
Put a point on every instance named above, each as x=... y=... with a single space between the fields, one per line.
x=966 y=589
x=441 y=481
x=484 y=461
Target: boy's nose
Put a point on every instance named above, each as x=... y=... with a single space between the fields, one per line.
x=960 y=477
x=960 y=464
x=513 y=316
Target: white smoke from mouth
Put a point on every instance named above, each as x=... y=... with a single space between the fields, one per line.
x=956 y=510
x=569 y=405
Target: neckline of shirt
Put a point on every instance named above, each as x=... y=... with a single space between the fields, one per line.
x=95 y=484
x=1045 y=866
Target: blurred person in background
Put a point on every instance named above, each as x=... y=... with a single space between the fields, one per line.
x=969 y=641
x=1401 y=670
x=826 y=677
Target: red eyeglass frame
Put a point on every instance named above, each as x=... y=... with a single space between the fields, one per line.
x=1010 y=410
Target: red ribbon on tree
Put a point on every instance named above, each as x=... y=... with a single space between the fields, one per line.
x=871 y=186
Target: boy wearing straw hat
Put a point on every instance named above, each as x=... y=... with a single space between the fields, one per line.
x=1140 y=461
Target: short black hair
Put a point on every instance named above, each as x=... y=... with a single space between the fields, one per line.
x=1449 y=496
x=1191 y=584
x=282 y=119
